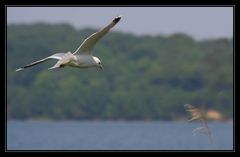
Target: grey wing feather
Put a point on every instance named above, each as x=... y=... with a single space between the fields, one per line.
x=55 y=56
x=90 y=42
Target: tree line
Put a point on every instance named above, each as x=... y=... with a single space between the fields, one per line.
x=144 y=78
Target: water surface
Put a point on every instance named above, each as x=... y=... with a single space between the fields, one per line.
x=111 y=135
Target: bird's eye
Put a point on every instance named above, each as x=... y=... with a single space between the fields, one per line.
x=99 y=62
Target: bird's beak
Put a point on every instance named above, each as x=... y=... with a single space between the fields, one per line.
x=101 y=67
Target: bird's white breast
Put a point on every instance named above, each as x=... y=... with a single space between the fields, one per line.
x=82 y=61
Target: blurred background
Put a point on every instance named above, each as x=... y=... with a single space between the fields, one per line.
x=156 y=59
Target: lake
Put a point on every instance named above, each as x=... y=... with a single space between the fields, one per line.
x=116 y=135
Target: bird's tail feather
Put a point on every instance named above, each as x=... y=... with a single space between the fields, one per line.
x=54 y=67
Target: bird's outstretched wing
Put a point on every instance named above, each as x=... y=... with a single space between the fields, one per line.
x=55 y=56
x=90 y=42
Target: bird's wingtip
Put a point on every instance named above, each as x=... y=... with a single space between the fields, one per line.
x=117 y=19
x=20 y=69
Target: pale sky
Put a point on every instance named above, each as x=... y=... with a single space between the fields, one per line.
x=198 y=22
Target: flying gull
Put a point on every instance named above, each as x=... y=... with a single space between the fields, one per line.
x=82 y=57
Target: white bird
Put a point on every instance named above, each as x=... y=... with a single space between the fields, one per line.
x=82 y=57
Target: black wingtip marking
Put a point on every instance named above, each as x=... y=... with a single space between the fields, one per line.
x=117 y=19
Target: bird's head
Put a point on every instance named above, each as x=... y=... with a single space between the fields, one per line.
x=98 y=63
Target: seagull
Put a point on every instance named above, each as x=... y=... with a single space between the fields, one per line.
x=82 y=57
